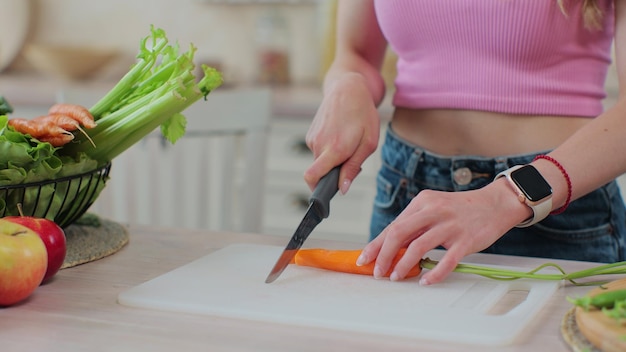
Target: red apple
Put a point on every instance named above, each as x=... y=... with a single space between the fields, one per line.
x=23 y=262
x=53 y=237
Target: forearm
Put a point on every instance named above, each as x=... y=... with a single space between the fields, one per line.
x=595 y=154
x=592 y=157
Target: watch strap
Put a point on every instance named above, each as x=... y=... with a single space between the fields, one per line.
x=540 y=209
x=540 y=212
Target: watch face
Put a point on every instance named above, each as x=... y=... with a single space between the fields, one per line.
x=530 y=181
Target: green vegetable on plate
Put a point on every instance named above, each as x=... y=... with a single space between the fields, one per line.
x=602 y=300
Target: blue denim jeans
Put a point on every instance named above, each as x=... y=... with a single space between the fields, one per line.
x=593 y=228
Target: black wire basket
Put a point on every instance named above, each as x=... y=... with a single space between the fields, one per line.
x=62 y=200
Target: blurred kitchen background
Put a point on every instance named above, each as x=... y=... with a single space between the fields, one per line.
x=284 y=42
x=284 y=45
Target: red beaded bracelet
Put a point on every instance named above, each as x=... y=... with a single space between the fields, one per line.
x=567 y=179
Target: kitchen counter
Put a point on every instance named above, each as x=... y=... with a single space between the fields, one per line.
x=78 y=310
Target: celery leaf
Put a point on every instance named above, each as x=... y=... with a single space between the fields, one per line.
x=174 y=128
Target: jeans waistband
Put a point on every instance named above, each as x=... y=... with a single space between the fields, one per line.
x=446 y=172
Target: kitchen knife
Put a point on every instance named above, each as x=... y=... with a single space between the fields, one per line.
x=319 y=208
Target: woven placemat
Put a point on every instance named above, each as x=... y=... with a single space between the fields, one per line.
x=572 y=335
x=91 y=238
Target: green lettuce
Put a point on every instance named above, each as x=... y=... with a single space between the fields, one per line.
x=24 y=161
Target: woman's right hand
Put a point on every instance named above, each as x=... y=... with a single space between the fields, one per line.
x=346 y=127
x=345 y=131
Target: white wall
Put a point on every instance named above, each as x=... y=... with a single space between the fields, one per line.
x=221 y=32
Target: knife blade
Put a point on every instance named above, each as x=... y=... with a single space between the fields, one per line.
x=318 y=210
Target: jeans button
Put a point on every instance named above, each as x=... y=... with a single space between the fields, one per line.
x=462 y=176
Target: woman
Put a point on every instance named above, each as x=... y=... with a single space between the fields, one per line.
x=509 y=90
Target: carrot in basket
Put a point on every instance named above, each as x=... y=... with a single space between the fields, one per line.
x=64 y=121
x=35 y=129
x=58 y=139
x=344 y=261
x=76 y=112
x=54 y=128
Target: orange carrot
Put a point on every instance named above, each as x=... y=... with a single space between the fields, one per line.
x=57 y=140
x=54 y=128
x=34 y=129
x=20 y=125
x=344 y=261
x=77 y=112
x=63 y=121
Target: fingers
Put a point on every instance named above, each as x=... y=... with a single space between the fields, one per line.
x=387 y=252
x=348 y=173
x=320 y=167
x=413 y=255
x=446 y=265
x=424 y=225
x=415 y=252
x=339 y=137
x=352 y=166
x=405 y=231
x=326 y=161
x=370 y=251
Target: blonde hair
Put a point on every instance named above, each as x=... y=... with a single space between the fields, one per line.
x=592 y=15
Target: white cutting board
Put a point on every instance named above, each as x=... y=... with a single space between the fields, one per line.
x=230 y=283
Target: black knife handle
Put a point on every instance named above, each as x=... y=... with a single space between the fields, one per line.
x=325 y=191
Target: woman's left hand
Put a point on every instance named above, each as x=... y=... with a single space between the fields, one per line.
x=462 y=222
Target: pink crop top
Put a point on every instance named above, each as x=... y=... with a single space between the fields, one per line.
x=508 y=56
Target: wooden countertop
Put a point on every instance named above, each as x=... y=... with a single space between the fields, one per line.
x=77 y=311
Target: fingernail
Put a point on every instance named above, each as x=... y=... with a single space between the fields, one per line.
x=394 y=276
x=345 y=186
x=361 y=260
x=378 y=273
x=424 y=282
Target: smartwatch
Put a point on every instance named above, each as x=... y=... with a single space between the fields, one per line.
x=531 y=189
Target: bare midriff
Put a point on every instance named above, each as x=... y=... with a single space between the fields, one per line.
x=480 y=133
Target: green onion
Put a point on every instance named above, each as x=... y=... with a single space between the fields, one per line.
x=507 y=275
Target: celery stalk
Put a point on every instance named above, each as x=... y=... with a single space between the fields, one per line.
x=155 y=92
x=147 y=59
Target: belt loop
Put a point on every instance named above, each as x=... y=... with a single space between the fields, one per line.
x=501 y=164
x=413 y=162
